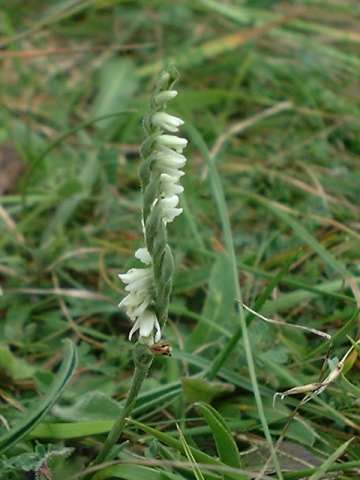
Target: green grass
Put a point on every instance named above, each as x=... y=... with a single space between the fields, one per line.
x=271 y=217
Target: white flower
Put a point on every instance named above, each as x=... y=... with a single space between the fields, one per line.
x=139 y=282
x=167 y=158
x=165 y=96
x=164 y=78
x=166 y=122
x=169 y=212
x=143 y=255
x=169 y=185
x=136 y=279
x=176 y=174
x=172 y=141
x=168 y=162
x=146 y=323
x=136 y=303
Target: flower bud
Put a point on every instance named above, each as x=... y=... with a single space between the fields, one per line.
x=164 y=97
x=166 y=122
x=172 y=141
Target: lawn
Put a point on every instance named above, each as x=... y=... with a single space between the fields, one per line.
x=263 y=380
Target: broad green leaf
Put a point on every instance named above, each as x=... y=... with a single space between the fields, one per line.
x=199 y=389
x=191 y=278
x=302 y=433
x=16 y=317
x=134 y=472
x=219 y=305
x=225 y=444
x=91 y=406
x=32 y=461
x=34 y=418
x=64 y=431
x=14 y=367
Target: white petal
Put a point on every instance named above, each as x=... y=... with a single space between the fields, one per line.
x=158 y=331
x=164 y=77
x=134 y=298
x=171 y=213
x=143 y=255
x=165 y=96
x=134 y=274
x=173 y=172
x=167 y=155
x=140 y=309
x=169 y=185
x=147 y=321
x=162 y=164
x=134 y=328
x=139 y=284
x=167 y=122
x=172 y=141
x=129 y=301
x=170 y=202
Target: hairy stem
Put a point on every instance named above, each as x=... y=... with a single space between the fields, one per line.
x=143 y=359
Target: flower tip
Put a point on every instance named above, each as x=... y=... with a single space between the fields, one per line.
x=163 y=97
x=133 y=330
x=164 y=78
x=143 y=255
x=167 y=122
x=172 y=141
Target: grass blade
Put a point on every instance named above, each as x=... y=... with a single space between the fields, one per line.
x=222 y=356
x=330 y=461
x=218 y=193
x=131 y=472
x=195 y=468
x=28 y=424
x=305 y=236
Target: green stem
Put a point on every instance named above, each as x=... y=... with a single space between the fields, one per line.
x=143 y=359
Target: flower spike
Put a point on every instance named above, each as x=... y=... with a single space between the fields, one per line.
x=149 y=287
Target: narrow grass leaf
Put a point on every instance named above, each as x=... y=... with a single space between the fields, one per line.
x=28 y=424
x=195 y=469
x=219 y=304
x=170 y=441
x=219 y=196
x=305 y=236
x=224 y=354
x=132 y=472
x=118 y=84
x=201 y=390
x=321 y=471
x=337 y=337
